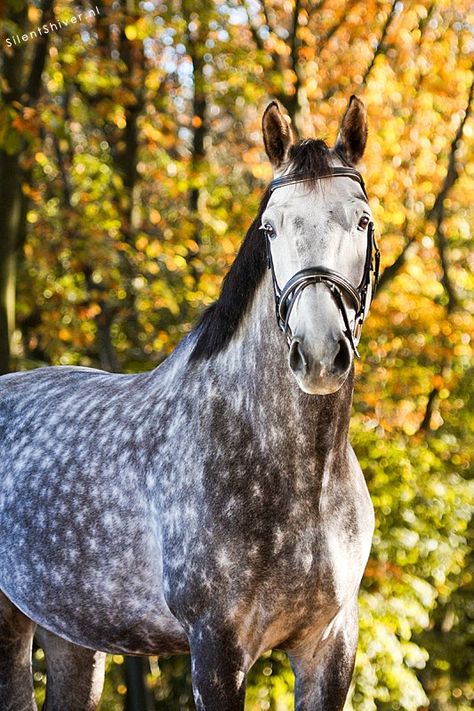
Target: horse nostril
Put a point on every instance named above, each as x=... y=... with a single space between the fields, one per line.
x=297 y=360
x=342 y=360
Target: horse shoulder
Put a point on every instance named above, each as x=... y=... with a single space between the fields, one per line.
x=348 y=524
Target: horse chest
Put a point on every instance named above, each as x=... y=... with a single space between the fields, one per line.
x=271 y=582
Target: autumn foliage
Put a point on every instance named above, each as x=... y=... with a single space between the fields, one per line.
x=131 y=164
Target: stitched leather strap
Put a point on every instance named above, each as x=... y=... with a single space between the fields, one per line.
x=339 y=171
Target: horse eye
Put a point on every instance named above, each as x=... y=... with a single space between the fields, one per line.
x=269 y=230
x=363 y=222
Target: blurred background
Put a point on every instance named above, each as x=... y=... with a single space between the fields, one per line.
x=131 y=164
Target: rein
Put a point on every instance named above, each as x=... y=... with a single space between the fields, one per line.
x=360 y=296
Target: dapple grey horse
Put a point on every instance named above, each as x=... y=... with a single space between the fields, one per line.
x=213 y=505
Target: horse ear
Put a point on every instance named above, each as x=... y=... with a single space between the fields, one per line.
x=352 y=135
x=277 y=134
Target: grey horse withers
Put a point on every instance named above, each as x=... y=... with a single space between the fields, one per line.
x=213 y=505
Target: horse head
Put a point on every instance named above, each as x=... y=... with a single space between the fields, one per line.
x=320 y=245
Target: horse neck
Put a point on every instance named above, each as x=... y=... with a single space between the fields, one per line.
x=253 y=373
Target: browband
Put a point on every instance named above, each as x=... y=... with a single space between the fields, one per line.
x=339 y=171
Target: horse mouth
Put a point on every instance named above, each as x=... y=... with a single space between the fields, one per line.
x=318 y=376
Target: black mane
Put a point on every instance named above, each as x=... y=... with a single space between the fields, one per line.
x=220 y=321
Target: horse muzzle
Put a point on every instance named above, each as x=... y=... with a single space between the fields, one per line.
x=320 y=371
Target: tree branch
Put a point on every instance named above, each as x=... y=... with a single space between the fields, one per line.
x=291 y=101
x=437 y=212
x=329 y=34
x=267 y=16
x=327 y=37
x=254 y=29
x=391 y=271
x=442 y=245
x=437 y=215
x=381 y=43
x=294 y=34
x=426 y=421
x=425 y=20
x=38 y=61
x=452 y=173
x=314 y=8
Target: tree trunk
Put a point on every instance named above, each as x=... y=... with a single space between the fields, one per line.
x=10 y=198
x=13 y=203
x=139 y=696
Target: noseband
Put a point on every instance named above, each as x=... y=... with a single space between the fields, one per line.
x=360 y=297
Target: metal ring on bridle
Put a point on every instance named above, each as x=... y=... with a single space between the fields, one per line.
x=360 y=297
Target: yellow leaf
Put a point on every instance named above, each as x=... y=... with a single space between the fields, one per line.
x=131 y=32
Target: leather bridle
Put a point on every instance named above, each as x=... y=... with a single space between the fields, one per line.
x=360 y=297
